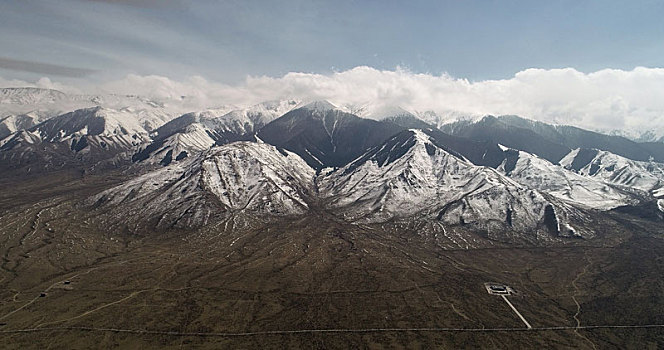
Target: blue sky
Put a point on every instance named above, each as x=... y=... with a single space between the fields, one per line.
x=225 y=41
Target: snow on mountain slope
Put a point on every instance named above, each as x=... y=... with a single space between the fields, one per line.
x=409 y=176
x=659 y=192
x=542 y=175
x=197 y=131
x=268 y=111
x=40 y=103
x=378 y=112
x=205 y=118
x=90 y=134
x=191 y=140
x=615 y=169
x=149 y=118
x=398 y=116
x=381 y=110
x=320 y=106
x=653 y=132
x=257 y=176
x=237 y=121
x=45 y=104
x=194 y=137
x=13 y=123
x=151 y=114
x=249 y=120
x=447 y=117
x=30 y=96
x=237 y=178
x=117 y=127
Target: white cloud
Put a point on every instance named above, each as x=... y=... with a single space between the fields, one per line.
x=44 y=83
x=199 y=91
x=604 y=100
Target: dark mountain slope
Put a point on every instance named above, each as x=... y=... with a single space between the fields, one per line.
x=573 y=137
x=492 y=129
x=325 y=136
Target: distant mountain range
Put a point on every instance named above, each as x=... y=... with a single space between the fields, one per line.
x=506 y=177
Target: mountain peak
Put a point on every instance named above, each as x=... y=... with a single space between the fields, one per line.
x=420 y=137
x=319 y=106
x=488 y=119
x=386 y=112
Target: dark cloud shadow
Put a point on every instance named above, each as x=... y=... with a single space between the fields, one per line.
x=43 y=68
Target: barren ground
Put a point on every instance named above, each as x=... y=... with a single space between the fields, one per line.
x=375 y=288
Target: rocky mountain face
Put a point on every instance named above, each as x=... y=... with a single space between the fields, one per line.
x=408 y=177
x=234 y=180
x=564 y=183
x=494 y=130
x=551 y=142
x=325 y=136
x=614 y=169
x=508 y=178
x=89 y=135
x=30 y=96
x=198 y=131
x=13 y=123
x=411 y=176
x=42 y=104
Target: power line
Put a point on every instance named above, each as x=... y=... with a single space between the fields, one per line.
x=328 y=330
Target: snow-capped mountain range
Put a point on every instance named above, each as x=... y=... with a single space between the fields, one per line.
x=410 y=175
x=198 y=131
x=42 y=104
x=495 y=175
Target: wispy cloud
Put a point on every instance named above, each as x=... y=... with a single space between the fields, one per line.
x=43 y=68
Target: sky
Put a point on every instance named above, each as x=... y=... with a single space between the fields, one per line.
x=446 y=54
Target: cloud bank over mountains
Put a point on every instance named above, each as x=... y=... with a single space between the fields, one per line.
x=606 y=100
